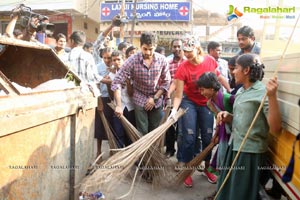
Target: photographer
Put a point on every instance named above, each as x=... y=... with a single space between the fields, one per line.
x=103 y=39
x=29 y=22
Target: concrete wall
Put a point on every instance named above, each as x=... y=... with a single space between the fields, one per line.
x=78 y=24
x=89 y=8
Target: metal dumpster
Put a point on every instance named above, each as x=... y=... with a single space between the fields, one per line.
x=46 y=137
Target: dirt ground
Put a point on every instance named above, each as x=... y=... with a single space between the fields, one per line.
x=145 y=191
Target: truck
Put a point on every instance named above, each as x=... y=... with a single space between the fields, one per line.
x=280 y=54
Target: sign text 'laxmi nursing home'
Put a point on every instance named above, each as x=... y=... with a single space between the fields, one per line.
x=152 y=11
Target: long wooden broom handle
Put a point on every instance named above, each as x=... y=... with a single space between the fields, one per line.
x=258 y=111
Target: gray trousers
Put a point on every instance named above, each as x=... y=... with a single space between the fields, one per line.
x=146 y=121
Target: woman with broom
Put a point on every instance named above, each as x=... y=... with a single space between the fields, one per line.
x=187 y=95
x=247 y=174
x=209 y=87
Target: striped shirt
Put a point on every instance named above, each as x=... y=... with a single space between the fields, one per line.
x=173 y=65
x=146 y=81
x=103 y=71
x=83 y=64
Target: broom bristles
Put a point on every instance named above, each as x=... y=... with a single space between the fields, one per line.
x=153 y=156
x=118 y=165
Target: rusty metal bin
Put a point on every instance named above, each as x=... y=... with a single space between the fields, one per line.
x=46 y=137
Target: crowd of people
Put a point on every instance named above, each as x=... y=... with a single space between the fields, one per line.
x=221 y=96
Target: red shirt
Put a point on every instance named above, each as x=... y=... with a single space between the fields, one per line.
x=190 y=73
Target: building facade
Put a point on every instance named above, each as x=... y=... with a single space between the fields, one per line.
x=66 y=15
x=169 y=19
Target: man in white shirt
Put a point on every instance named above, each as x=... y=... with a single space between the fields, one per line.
x=214 y=49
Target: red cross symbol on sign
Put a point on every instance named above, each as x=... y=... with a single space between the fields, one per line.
x=105 y=11
x=183 y=10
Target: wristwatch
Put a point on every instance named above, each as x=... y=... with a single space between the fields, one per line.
x=155 y=99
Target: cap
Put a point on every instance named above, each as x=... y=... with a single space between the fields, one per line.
x=189 y=43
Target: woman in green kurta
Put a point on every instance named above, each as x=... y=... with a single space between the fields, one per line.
x=244 y=180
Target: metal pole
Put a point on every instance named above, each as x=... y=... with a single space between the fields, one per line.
x=192 y=18
x=122 y=25
x=133 y=21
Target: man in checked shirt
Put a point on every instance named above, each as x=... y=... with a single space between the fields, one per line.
x=149 y=72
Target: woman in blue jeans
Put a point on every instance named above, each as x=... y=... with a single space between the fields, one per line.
x=187 y=95
x=187 y=142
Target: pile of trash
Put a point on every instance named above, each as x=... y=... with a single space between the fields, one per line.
x=93 y=196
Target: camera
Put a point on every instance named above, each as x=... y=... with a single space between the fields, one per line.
x=26 y=16
x=120 y=20
x=46 y=27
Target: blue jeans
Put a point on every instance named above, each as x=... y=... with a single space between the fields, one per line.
x=197 y=121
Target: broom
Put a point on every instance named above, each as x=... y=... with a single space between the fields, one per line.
x=115 y=168
x=111 y=142
x=131 y=131
x=91 y=169
x=164 y=119
x=190 y=167
x=152 y=158
x=110 y=136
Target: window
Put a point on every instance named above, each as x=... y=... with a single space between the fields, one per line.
x=227 y=49
x=235 y=50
